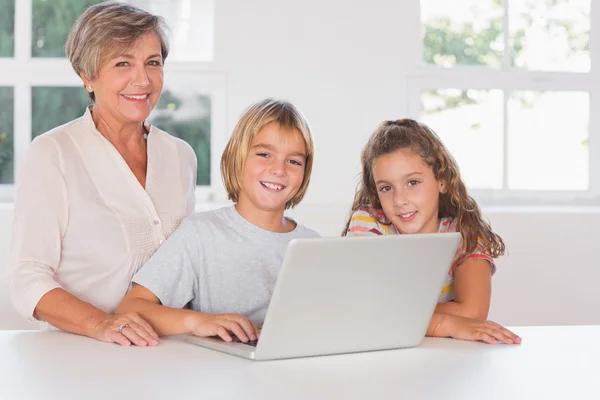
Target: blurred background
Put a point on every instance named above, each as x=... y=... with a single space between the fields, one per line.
x=511 y=87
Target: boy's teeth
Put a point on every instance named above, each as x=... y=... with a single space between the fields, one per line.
x=272 y=186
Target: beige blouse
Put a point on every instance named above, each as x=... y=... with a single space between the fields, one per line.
x=83 y=222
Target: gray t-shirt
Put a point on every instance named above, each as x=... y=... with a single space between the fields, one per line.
x=220 y=263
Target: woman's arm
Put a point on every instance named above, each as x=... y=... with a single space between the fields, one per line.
x=40 y=221
x=174 y=321
x=472 y=290
x=65 y=311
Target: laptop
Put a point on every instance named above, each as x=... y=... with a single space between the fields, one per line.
x=350 y=294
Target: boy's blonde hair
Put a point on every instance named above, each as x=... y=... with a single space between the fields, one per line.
x=252 y=121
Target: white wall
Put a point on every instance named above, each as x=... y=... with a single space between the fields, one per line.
x=345 y=67
x=341 y=65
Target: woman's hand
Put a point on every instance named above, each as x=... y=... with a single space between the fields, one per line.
x=223 y=325
x=472 y=329
x=125 y=329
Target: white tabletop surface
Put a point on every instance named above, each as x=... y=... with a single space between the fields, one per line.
x=551 y=363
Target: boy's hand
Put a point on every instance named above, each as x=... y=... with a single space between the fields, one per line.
x=223 y=325
x=477 y=330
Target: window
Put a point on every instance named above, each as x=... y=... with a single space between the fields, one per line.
x=39 y=90
x=509 y=87
x=6 y=135
x=7 y=28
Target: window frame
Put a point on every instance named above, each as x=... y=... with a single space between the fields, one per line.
x=22 y=72
x=424 y=77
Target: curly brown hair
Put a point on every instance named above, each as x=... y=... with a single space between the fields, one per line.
x=455 y=202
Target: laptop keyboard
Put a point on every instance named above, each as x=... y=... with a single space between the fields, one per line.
x=234 y=338
x=252 y=343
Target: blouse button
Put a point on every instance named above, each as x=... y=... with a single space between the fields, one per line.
x=156 y=222
x=161 y=241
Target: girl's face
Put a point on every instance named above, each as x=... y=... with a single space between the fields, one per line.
x=274 y=168
x=408 y=191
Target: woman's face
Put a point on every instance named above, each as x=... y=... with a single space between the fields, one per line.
x=128 y=86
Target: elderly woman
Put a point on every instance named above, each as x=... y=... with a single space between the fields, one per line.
x=98 y=196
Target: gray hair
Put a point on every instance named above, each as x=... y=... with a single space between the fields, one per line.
x=106 y=29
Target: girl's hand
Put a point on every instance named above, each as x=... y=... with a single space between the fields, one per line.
x=472 y=329
x=125 y=329
x=223 y=325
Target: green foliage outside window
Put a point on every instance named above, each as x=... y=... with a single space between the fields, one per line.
x=52 y=21
x=54 y=106
x=7 y=28
x=195 y=131
x=6 y=135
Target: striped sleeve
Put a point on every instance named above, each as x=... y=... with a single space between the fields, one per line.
x=362 y=223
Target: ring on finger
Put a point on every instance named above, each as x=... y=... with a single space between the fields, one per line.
x=123 y=326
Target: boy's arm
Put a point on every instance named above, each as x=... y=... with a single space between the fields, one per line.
x=472 y=290
x=168 y=321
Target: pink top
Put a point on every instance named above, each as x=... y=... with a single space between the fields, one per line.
x=83 y=222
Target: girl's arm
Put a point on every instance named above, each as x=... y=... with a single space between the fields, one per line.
x=446 y=325
x=472 y=290
x=168 y=321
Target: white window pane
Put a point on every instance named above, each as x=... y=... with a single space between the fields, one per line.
x=6 y=135
x=548 y=140
x=469 y=122
x=550 y=35
x=466 y=32
x=185 y=112
x=191 y=24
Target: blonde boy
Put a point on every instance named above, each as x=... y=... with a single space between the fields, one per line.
x=224 y=263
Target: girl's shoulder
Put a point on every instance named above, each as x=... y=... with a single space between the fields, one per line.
x=450 y=225
x=447 y=224
x=367 y=222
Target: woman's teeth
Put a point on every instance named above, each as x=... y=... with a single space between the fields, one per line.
x=136 y=97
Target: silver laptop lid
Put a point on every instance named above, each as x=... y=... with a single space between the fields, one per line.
x=342 y=295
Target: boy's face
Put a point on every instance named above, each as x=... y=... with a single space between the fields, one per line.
x=408 y=191
x=274 y=168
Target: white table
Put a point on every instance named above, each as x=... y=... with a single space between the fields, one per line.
x=552 y=363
